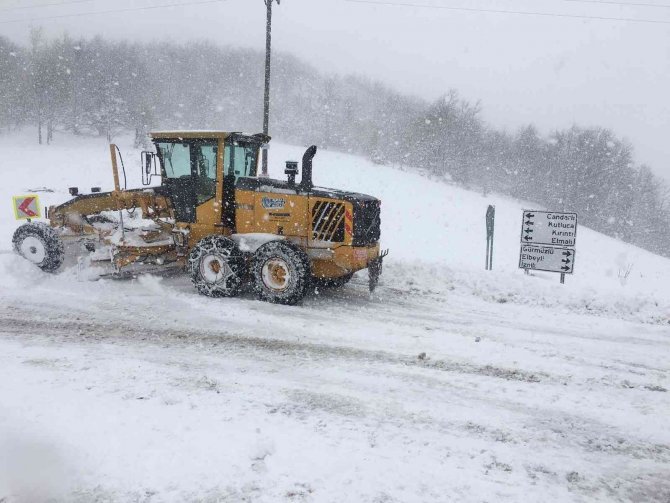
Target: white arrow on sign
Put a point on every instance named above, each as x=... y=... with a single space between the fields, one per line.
x=547 y=258
x=549 y=228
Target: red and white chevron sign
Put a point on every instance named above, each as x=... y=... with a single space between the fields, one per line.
x=26 y=207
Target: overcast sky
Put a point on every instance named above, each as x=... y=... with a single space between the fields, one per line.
x=551 y=71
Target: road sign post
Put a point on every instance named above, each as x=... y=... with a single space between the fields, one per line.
x=548 y=240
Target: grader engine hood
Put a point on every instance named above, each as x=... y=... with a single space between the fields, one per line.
x=365 y=220
x=331 y=217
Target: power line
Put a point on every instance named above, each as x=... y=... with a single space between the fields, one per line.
x=623 y=4
x=111 y=11
x=603 y=2
x=619 y=3
x=519 y=12
x=373 y=2
x=37 y=6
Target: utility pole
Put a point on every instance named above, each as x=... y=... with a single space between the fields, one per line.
x=568 y=164
x=266 y=100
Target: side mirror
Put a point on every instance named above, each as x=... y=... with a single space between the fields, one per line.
x=149 y=167
x=147 y=162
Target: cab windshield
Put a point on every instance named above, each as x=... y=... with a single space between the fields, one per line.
x=185 y=159
x=192 y=163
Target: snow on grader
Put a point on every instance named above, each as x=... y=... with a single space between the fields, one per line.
x=214 y=217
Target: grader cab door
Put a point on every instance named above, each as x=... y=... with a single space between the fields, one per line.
x=189 y=174
x=240 y=160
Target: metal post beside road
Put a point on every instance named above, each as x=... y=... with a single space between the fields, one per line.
x=490 y=224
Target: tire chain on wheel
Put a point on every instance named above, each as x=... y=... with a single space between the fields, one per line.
x=300 y=272
x=225 y=248
x=53 y=245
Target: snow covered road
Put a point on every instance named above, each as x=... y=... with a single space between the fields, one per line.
x=145 y=391
x=176 y=397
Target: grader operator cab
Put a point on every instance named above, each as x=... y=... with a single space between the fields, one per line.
x=213 y=216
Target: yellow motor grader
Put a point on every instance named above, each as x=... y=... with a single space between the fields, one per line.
x=213 y=216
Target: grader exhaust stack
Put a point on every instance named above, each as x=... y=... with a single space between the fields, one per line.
x=306 y=182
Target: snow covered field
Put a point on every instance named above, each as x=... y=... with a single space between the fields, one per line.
x=145 y=391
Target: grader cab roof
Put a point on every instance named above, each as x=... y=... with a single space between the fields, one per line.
x=171 y=135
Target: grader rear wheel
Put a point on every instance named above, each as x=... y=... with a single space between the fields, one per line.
x=281 y=273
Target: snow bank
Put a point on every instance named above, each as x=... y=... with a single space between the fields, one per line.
x=436 y=234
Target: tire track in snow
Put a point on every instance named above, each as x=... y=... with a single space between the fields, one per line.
x=81 y=331
x=92 y=332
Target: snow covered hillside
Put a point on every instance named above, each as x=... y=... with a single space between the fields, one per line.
x=435 y=232
x=450 y=383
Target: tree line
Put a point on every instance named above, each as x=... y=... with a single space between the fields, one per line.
x=101 y=87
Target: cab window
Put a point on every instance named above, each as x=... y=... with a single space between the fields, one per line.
x=176 y=159
x=193 y=163
x=205 y=171
x=240 y=159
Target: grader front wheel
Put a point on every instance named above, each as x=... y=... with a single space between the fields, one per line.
x=40 y=244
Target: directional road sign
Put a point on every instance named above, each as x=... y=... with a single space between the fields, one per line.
x=547 y=258
x=549 y=228
x=26 y=207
